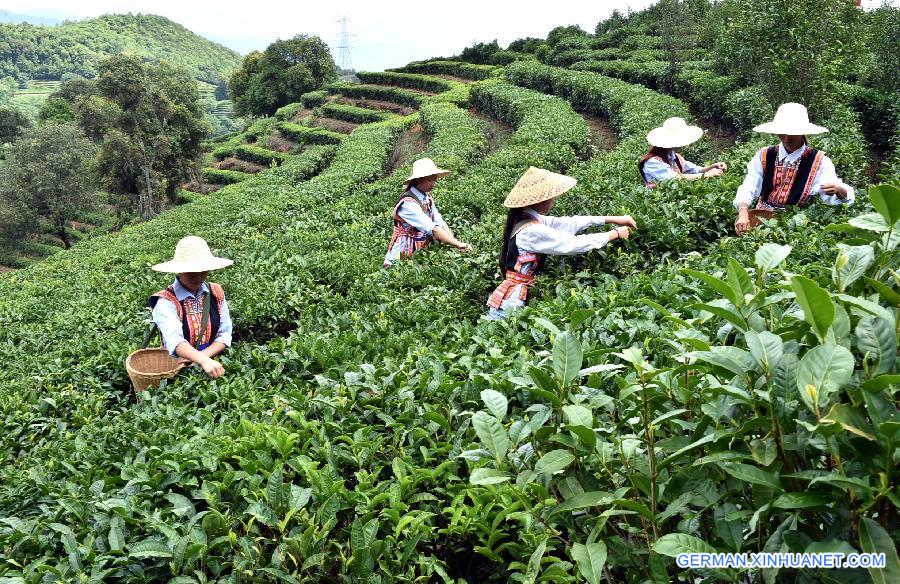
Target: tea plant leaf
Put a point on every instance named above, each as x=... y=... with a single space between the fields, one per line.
x=488 y=476
x=116 y=534
x=554 y=461
x=850 y=264
x=823 y=371
x=567 y=358
x=534 y=562
x=876 y=339
x=799 y=501
x=149 y=548
x=873 y=539
x=181 y=505
x=850 y=419
x=886 y=200
x=590 y=560
x=492 y=434
x=731 y=316
x=583 y=500
x=886 y=292
x=818 y=308
x=767 y=348
x=603 y=368
x=496 y=402
x=735 y=360
x=579 y=416
x=739 y=281
x=274 y=487
x=714 y=283
x=870 y=222
x=673 y=544
x=770 y=255
x=751 y=474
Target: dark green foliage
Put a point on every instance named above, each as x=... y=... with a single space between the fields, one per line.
x=50 y=173
x=479 y=53
x=12 y=124
x=455 y=68
x=214 y=176
x=313 y=99
x=56 y=110
x=287 y=112
x=279 y=75
x=391 y=94
x=35 y=52
x=883 y=31
x=258 y=155
x=307 y=135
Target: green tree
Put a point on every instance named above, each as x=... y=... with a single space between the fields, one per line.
x=56 y=111
x=12 y=124
x=794 y=49
x=280 y=74
x=149 y=122
x=49 y=172
x=480 y=53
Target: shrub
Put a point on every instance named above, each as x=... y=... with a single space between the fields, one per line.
x=287 y=112
x=260 y=128
x=313 y=99
x=350 y=113
x=259 y=155
x=391 y=94
x=407 y=80
x=214 y=176
x=455 y=68
x=226 y=148
x=507 y=57
x=652 y=74
x=307 y=135
x=748 y=107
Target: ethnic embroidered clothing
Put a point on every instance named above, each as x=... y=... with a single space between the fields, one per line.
x=415 y=218
x=536 y=236
x=177 y=313
x=654 y=169
x=777 y=171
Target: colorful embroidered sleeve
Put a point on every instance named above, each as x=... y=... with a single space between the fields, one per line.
x=166 y=318
x=415 y=216
x=752 y=185
x=544 y=239
x=827 y=174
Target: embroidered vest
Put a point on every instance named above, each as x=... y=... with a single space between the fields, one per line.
x=190 y=311
x=787 y=183
x=405 y=234
x=522 y=267
x=677 y=167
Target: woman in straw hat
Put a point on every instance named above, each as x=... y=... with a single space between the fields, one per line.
x=664 y=161
x=416 y=218
x=790 y=173
x=192 y=314
x=530 y=235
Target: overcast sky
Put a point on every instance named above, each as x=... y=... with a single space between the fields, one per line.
x=387 y=34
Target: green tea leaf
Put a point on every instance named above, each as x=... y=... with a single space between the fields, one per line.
x=851 y=419
x=554 y=461
x=673 y=544
x=799 y=501
x=496 y=402
x=823 y=371
x=751 y=474
x=886 y=200
x=579 y=416
x=766 y=348
x=873 y=539
x=714 y=283
x=870 y=222
x=492 y=434
x=149 y=548
x=818 y=308
x=876 y=339
x=590 y=560
x=739 y=281
x=851 y=263
x=567 y=358
x=770 y=255
x=488 y=476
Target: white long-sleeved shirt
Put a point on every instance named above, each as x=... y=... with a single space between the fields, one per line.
x=558 y=235
x=750 y=189
x=657 y=171
x=415 y=216
x=165 y=315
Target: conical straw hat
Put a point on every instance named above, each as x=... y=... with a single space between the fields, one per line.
x=674 y=133
x=192 y=255
x=425 y=167
x=538 y=185
x=791 y=119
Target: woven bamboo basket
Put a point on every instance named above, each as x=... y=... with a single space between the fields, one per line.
x=757 y=214
x=147 y=367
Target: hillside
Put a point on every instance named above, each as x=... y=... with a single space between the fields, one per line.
x=12 y=17
x=38 y=52
x=686 y=390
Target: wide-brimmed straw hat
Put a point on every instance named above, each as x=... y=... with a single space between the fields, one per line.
x=791 y=119
x=538 y=185
x=192 y=255
x=425 y=167
x=674 y=133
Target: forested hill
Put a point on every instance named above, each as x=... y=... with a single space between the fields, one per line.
x=39 y=52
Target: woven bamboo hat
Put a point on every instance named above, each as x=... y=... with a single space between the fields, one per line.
x=192 y=255
x=674 y=133
x=425 y=167
x=538 y=185
x=791 y=119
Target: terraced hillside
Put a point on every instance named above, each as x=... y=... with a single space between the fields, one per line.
x=685 y=391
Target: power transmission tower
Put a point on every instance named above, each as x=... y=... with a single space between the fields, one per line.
x=344 y=60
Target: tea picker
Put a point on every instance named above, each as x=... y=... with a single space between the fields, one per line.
x=664 y=160
x=790 y=173
x=530 y=235
x=191 y=315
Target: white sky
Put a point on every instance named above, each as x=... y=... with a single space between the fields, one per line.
x=388 y=34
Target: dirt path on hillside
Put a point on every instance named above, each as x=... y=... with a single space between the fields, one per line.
x=412 y=143
x=334 y=125
x=603 y=134
x=498 y=133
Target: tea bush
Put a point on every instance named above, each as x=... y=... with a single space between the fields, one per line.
x=456 y=68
